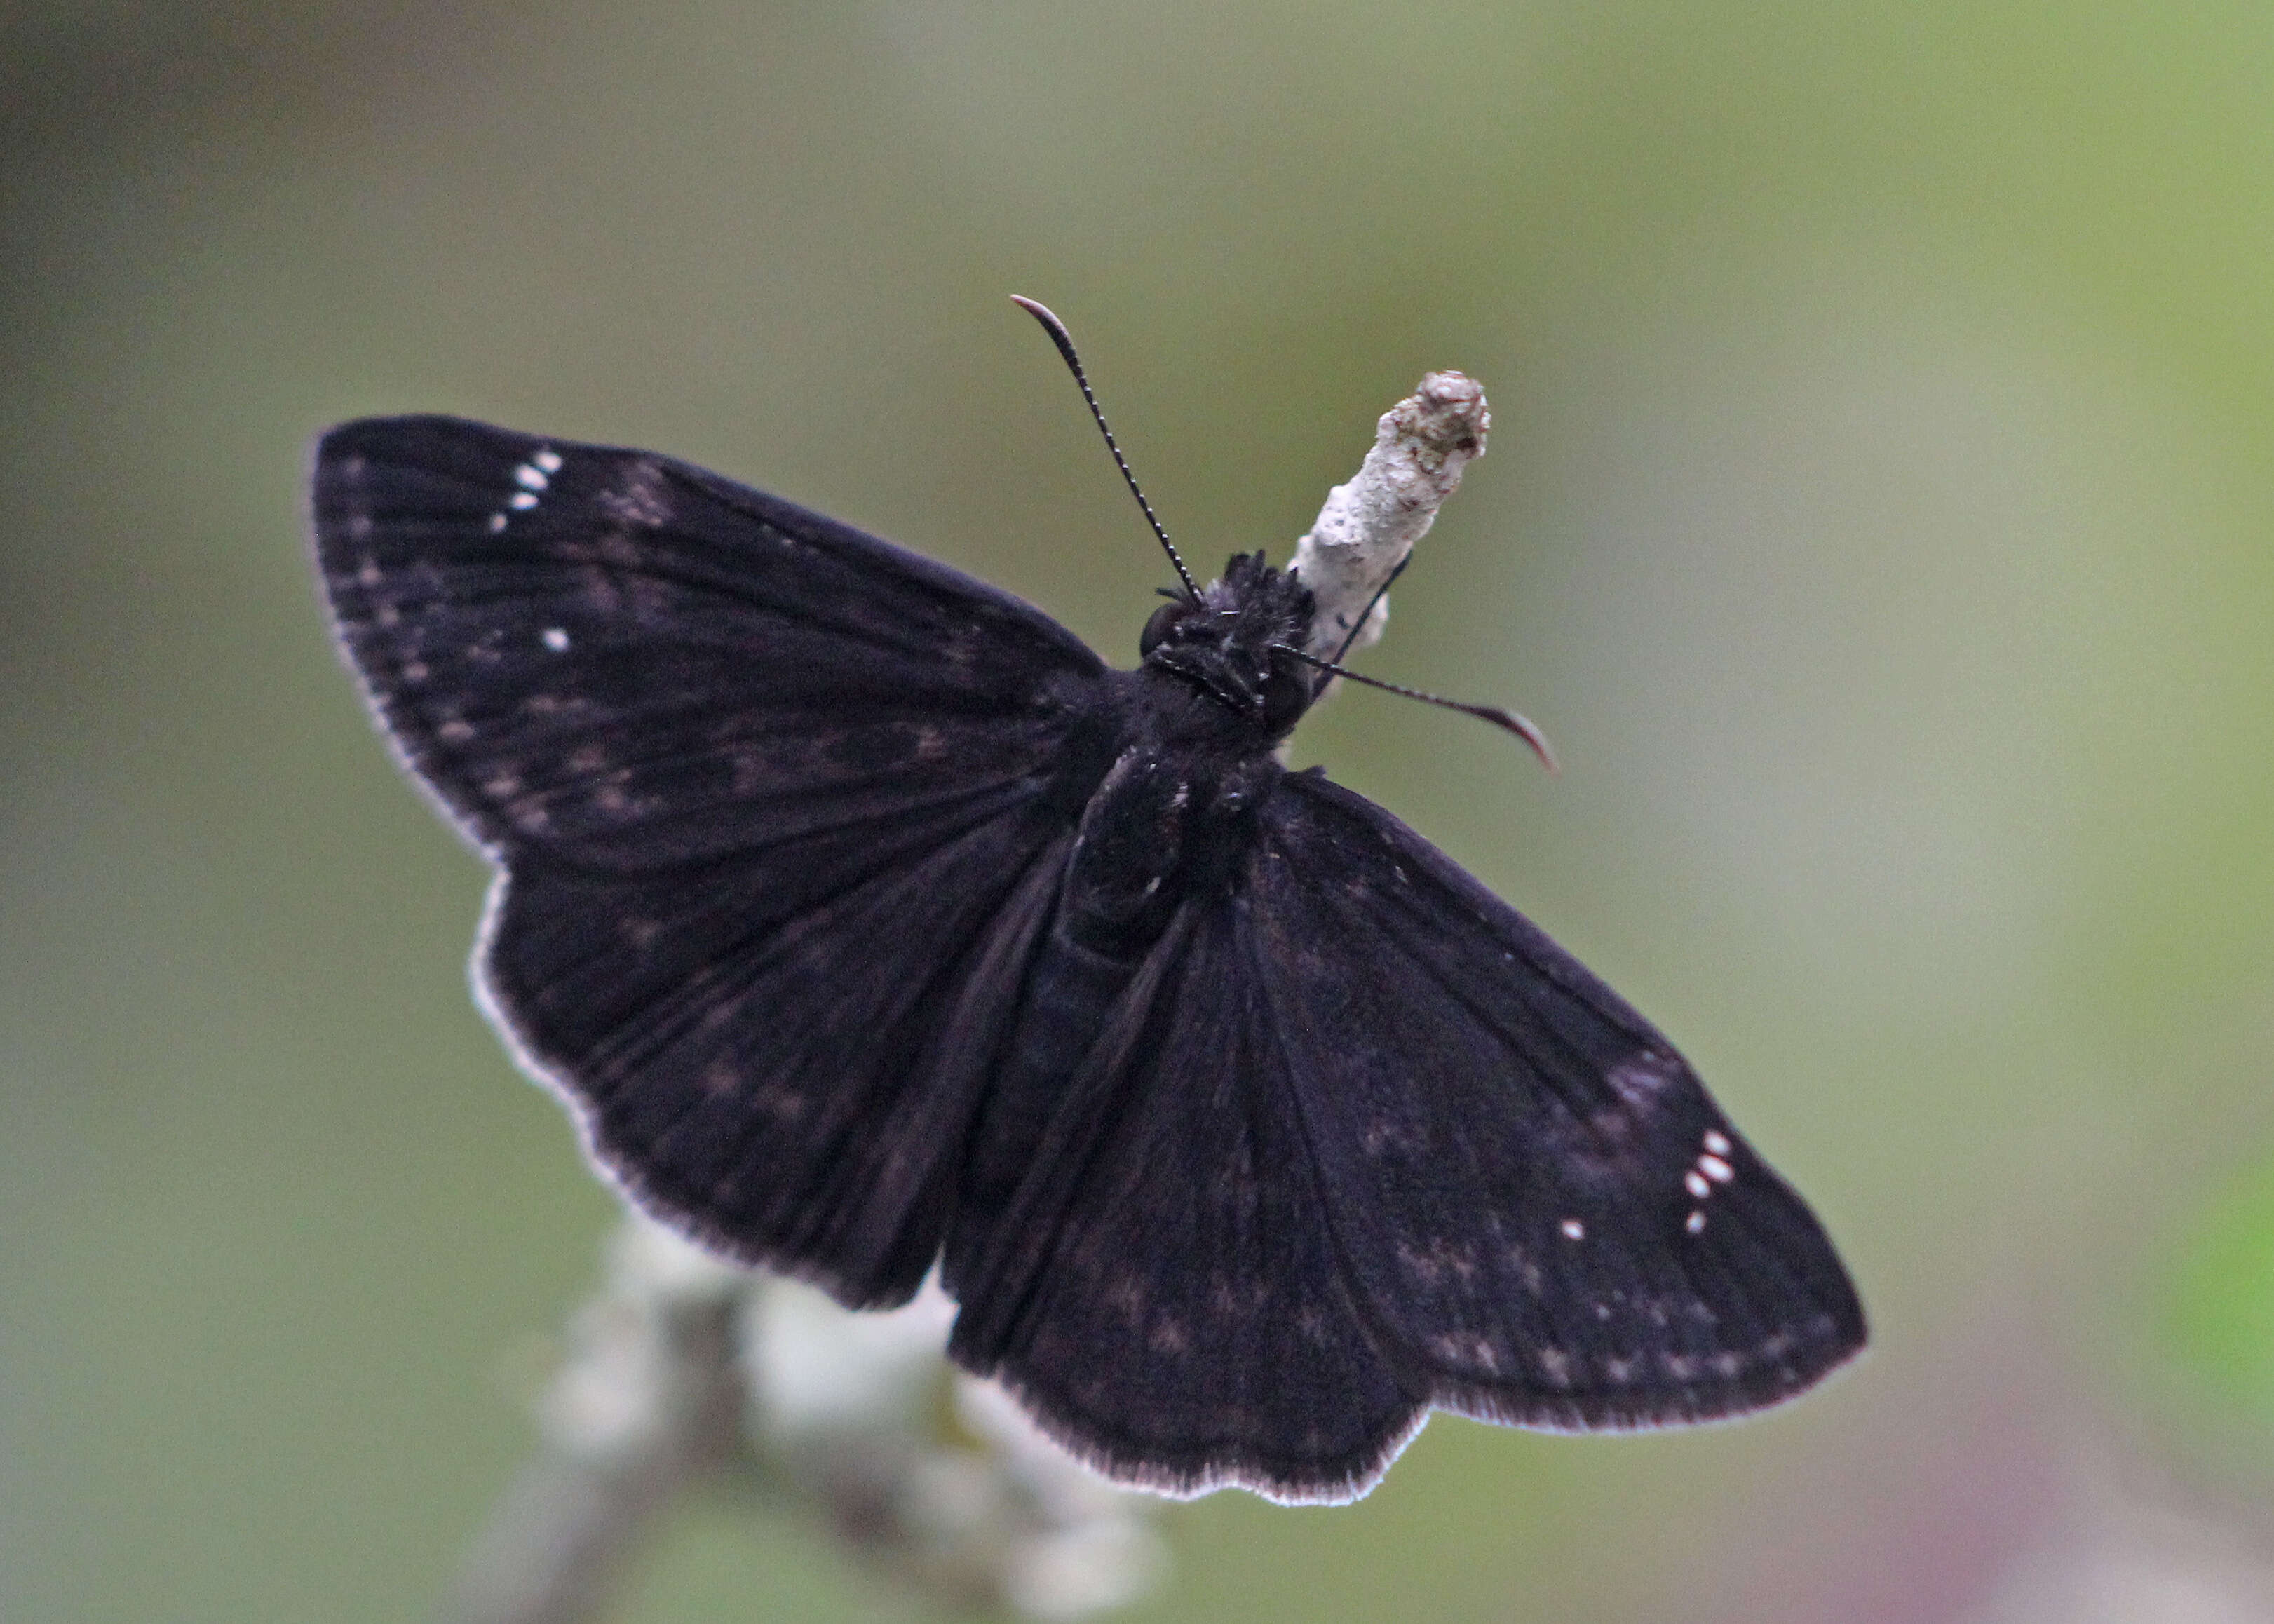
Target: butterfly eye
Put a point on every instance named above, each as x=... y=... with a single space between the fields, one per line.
x=1156 y=628
x=1287 y=692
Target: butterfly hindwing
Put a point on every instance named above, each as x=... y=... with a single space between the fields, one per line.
x=1544 y=1216
x=773 y=802
x=1164 y=1293
x=1356 y=1140
x=789 y=1080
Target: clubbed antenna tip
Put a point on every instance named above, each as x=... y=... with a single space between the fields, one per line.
x=1523 y=727
x=1064 y=340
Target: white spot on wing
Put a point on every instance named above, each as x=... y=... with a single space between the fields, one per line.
x=1573 y=1230
x=1720 y=1171
x=497 y=522
x=641 y=932
x=524 y=500
x=556 y=639
x=640 y=498
x=1695 y=1183
x=528 y=477
x=1640 y=1081
x=1696 y=1222
x=1718 y=1144
x=547 y=460
x=784 y=1104
x=1466 y=1348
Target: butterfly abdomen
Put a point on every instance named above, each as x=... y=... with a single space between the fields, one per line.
x=1169 y=822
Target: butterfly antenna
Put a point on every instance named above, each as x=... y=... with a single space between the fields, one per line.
x=1064 y=340
x=1508 y=719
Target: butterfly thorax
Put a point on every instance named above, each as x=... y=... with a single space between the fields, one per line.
x=1193 y=754
x=1236 y=645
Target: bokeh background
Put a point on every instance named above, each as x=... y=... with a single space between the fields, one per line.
x=1877 y=516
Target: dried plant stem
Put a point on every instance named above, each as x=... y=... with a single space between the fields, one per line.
x=1369 y=526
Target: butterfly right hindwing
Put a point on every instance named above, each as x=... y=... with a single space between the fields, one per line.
x=1164 y=1293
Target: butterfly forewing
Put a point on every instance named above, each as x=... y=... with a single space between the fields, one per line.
x=1403 y=1151
x=1546 y=1217
x=767 y=794
x=625 y=661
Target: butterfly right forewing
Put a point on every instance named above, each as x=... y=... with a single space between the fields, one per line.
x=1355 y=1140
x=1547 y=1219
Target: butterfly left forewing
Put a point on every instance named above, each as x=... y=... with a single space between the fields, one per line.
x=1547 y=1219
x=627 y=663
x=777 y=805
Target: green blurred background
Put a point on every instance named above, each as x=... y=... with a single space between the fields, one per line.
x=1877 y=516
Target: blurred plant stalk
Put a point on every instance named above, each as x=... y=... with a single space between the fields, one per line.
x=685 y=1372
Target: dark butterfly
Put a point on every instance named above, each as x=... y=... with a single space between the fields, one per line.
x=866 y=921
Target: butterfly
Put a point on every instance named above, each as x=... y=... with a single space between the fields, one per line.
x=867 y=922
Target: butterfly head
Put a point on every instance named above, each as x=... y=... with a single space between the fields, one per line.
x=1232 y=642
